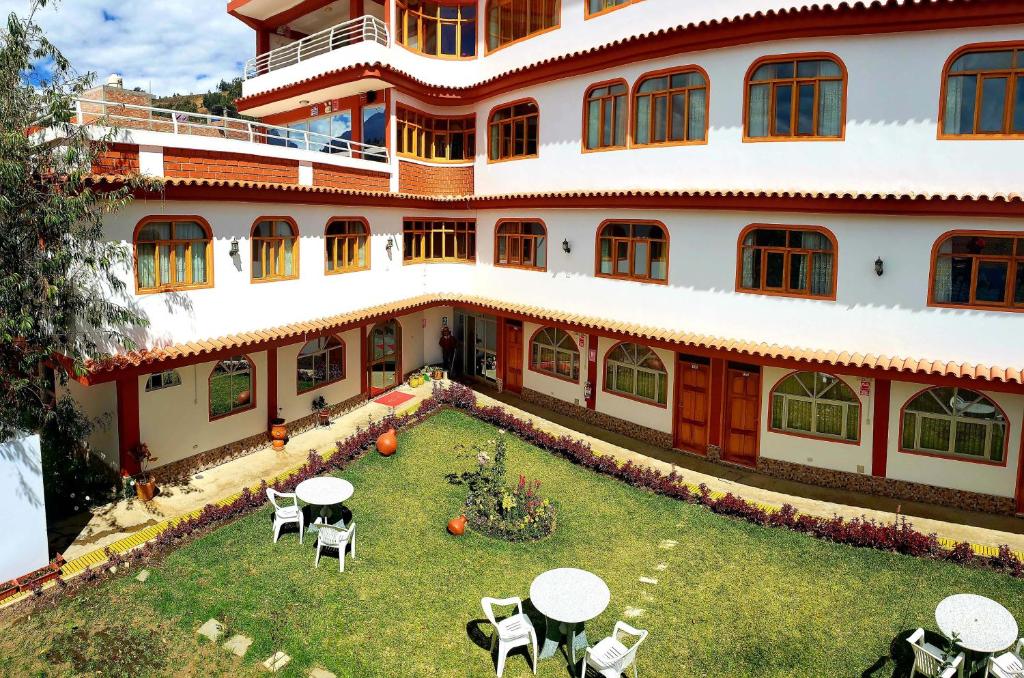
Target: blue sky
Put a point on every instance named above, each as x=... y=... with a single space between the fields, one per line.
x=167 y=45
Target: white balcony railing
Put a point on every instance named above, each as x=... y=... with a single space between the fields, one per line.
x=149 y=119
x=361 y=29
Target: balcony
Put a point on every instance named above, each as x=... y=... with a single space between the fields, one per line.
x=362 y=29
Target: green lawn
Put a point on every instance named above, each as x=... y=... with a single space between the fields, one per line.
x=734 y=600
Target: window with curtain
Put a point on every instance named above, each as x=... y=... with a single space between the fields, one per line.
x=521 y=244
x=274 y=250
x=954 y=422
x=787 y=260
x=816 y=404
x=444 y=29
x=984 y=93
x=231 y=386
x=435 y=138
x=346 y=243
x=161 y=380
x=636 y=371
x=173 y=255
x=793 y=98
x=606 y=116
x=513 y=131
x=320 y=362
x=553 y=352
x=512 y=20
x=671 y=108
x=634 y=251
x=600 y=6
x=984 y=270
x=438 y=241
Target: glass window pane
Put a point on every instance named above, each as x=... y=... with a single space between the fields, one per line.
x=805 y=121
x=783 y=109
x=993 y=104
x=774 y=270
x=1017 y=115
x=992 y=281
x=960 y=96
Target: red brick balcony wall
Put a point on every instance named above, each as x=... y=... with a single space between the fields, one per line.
x=420 y=179
x=196 y=164
x=117 y=159
x=330 y=176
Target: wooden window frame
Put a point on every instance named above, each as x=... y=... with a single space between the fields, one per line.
x=520 y=237
x=632 y=396
x=795 y=81
x=587 y=14
x=1012 y=262
x=953 y=456
x=252 y=389
x=605 y=100
x=426 y=229
x=785 y=292
x=632 y=240
x=326 y=353
x=150 y=388
x=402 y=32
x=815 y=400
x=268 y=241
x=173 y=287
x=511 y=122
x=669 y=72
x=534 y=367
x=413 y=127
x=488 y=49
x=333 y=239
x=1015 y=80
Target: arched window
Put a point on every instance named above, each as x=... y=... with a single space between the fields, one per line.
x=320 y=362
x=633 y=250
x=232 y=386
x=816 y=404
x=434 y=137
x=980 y=269
x=606 y=115
x=796 y=97
x=509 y=21
x=445 y=29
x=983 y=92
x=787 y=260
x=512 y=131
x=553 y=352
x=636 y=371
x=346 y=245
x=173 y=253
x=521 y=244
x=274 y=252
x=161 y=380
x=954 y=422
x=671 y=108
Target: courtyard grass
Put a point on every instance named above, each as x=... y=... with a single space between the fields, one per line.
x=731 y=599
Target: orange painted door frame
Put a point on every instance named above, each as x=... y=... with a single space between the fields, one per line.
x=716 y=415
x=128 y=434
x=742 y=414
x=591 y=372
x=693 y=404
x=880 y=427
x=271 y=386
x=512 y=355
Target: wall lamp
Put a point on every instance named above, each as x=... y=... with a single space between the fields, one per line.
x=566 y=247
x=879 y=266
x=234 y=247
x=390 y=245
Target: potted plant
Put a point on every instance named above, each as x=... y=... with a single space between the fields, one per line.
x=145 y=483
x=320 y=408
x=437 y=373
x=278 y=433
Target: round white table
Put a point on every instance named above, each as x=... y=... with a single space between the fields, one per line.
x=981 y=625
x=324 y=492
x=568 y=597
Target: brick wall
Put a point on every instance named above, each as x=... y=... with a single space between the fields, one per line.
x=330 y=176
x=196 y=164
x=421 y=179
x=117 y=159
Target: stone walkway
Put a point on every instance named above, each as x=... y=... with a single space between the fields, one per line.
x=113 y=522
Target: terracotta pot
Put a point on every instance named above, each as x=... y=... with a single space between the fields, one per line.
x=278 y=431
x=325 y=417
x=242 y=398
x=438 y=374
x=457 y=526
x=387 y=443
x=145 y=490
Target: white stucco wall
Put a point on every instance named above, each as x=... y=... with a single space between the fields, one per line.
x=568 y=391
x=99 y=404
x=22 y=508
x=292 y=405
x=646 y=414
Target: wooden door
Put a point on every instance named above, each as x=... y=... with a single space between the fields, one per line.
x=742 y=415
x=384 y=362
x=513 y=356
x=692 y=406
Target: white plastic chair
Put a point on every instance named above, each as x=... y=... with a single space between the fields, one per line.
x=928 y=659
x=333 y=537
x=285 y=514
x=515 y=631
x=1009 y=664
x=610 y=657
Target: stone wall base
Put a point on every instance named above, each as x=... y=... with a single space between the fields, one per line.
x=605 y=421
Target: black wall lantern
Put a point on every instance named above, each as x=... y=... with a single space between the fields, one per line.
x=566 y=247
x=234 y=247
x=879 y=266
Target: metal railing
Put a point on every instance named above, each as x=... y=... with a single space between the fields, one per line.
x=147 y=118
x=361 y=29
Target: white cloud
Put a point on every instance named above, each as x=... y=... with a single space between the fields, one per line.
x=167 y=45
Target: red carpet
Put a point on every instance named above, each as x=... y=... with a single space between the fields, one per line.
x=393 y=399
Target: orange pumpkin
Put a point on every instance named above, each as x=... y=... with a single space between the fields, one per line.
x=387 y=443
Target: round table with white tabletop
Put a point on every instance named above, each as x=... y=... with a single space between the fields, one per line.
x=325 y=492
x=568 y=598
x=980 y=625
